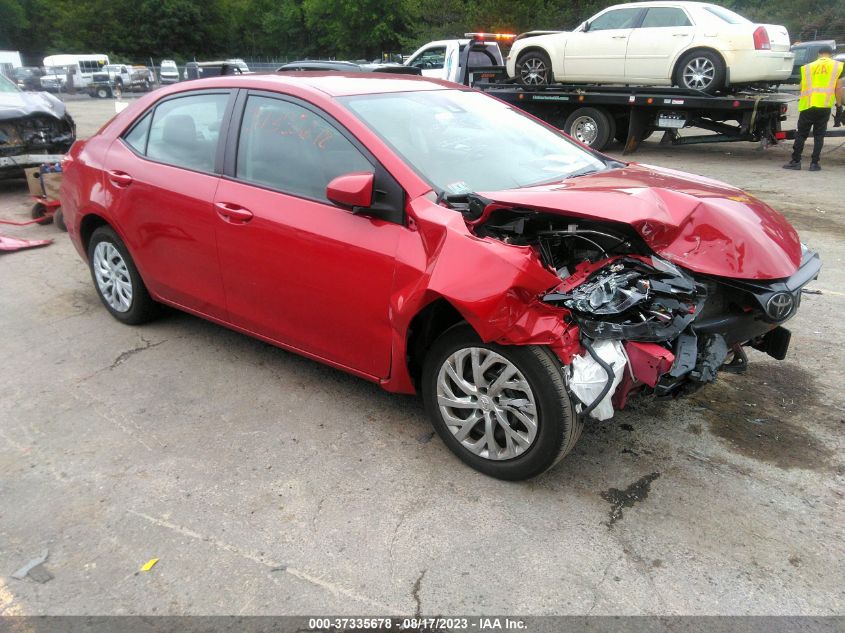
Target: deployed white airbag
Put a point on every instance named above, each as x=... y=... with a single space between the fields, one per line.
x=587 y=378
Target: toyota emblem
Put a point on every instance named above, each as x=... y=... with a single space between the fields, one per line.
x=780 y=306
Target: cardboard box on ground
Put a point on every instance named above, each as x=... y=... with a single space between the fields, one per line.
x=46 y=185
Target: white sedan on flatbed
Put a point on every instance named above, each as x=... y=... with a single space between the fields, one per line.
x=688 y=44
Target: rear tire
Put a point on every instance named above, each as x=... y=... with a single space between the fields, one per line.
x=701 y=70
x=116 y=279
x=59 y=219
x=591 y=126
x=534 y=70
x=482 y=430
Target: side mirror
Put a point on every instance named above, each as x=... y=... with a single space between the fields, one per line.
x=586 y=26
x=353 y=190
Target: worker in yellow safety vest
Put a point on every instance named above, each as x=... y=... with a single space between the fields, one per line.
x=821 y=88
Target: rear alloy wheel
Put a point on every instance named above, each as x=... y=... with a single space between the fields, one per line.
x=117 y=280
x=534 y=69
x=701 y=70
x=503 y=410
x=591 y=126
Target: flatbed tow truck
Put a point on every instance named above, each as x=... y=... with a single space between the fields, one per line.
x=597 y=114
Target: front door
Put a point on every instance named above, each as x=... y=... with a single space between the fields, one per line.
x=161 y=184
x=598 y=54
x=298 y=269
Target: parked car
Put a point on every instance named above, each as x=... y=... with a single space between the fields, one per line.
x=348 y=67
x=28 y=77
x=35 y=128
x=200 y=70
x=430 y=238
x=688 y=44
x=806 y=52
x=168 y=72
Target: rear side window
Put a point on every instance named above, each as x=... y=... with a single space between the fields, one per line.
x=287 y=147
x=184 y=131
x=656 y=17
x=616 y=19
x=725 y=15
x=137 y=137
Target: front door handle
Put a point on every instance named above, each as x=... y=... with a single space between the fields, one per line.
x=120 y=178
x=233 y=213
x=618 y=37
x=679 y=34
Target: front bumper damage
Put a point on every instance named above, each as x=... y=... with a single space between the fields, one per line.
x=648 y=326
x=32 y=140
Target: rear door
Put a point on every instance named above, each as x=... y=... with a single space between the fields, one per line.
x=298 y=269
x=161 y=180
x=657 y=42
x=598 y=55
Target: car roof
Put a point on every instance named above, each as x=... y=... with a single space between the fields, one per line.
x=333 y=84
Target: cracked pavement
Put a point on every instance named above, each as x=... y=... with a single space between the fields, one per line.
x=269 y=484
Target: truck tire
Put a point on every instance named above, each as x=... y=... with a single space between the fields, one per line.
x=103 y=92
x=591 y=126
x=701 y=70
x=534 y=69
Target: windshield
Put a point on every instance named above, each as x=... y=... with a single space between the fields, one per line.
x=7 y=85
x=462 y=142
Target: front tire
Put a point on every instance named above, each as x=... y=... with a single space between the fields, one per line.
x=701 y=70
x=116 y=279
x=534 y=69
x=503 y=410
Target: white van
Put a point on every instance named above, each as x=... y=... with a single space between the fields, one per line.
x=82 y=67
x=169 y=73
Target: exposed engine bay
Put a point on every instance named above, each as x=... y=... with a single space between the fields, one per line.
x=34 y=128
x=645 y=325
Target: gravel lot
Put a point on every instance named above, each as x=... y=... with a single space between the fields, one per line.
x=269 y=484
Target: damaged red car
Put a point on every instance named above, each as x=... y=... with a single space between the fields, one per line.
x=432 y=239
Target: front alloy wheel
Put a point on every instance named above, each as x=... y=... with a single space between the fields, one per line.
x=504 y=410
x=486 y=403
x=534 y=69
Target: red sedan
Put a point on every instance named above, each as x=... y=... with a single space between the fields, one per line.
x=431 y=238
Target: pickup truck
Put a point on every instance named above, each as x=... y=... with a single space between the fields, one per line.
x=450 y=59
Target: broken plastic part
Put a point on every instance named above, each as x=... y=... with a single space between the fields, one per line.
x=637 y=298
x=588 y=379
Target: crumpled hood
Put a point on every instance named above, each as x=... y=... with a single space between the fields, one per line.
x=703 y=225
x=14 y=105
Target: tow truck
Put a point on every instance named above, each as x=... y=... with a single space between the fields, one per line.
x=595 y=115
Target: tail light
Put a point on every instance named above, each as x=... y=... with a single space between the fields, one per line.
x=761 y=39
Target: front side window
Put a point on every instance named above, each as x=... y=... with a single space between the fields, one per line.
x=657 y=17
x=461 y=141
x=431 y=59
x=289 y=148
x=616 y=19
x=183 y=132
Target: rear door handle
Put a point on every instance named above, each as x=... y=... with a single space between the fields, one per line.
x=120 y=179
x=233 y=213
